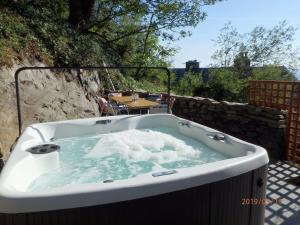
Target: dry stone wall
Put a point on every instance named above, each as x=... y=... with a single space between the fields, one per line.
x=258 y=125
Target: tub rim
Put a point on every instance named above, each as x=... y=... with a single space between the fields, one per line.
x=80 y=195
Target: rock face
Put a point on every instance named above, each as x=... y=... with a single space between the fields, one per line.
x=258 y=125
x=45 y=96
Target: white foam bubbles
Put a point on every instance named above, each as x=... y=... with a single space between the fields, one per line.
x=146 y=145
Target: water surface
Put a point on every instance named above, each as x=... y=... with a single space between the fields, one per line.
x=123 y=155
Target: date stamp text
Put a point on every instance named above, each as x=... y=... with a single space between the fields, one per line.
x=260 y=201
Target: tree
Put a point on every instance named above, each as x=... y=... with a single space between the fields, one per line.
x=80 y=11
x=241 y=64
x=164 y=17
x=141 y=25
x=138 y=24
x=263 y=46
x=224 y=84
x=128 y=32
x=228 y=43
x=188 y=83
x=272 y=73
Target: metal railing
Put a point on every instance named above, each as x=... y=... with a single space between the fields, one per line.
x=17 y=74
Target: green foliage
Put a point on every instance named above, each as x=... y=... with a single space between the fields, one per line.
x=126 y=32
x=14 y=36
x=13 y=30
x=227 y=84
x=241 y=64
x=261 y=54
x=43 y=26
x=188 y=83
x=153 y=81
x=133 y=29
x=91 y=32
x=228 y=46
x=162 y=17
x=272 y=73
x=263 y=46
x=57 y=37
x=57 y=41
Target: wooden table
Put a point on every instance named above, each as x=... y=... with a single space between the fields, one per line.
x=140 y=103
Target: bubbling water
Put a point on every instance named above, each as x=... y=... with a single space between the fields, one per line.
x=123 y=155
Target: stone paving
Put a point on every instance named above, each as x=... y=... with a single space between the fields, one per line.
x=288 y=211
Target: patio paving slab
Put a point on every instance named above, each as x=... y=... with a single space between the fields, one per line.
x=288 y=211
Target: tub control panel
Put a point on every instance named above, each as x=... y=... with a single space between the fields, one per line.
x=164 y=173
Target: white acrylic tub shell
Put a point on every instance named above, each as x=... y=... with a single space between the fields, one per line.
x=23 y=167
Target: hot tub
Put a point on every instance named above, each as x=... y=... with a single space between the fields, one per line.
x=146 y=169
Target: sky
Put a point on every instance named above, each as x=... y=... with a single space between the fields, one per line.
x=244 y=15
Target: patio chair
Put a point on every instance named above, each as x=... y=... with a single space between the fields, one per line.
x=103 y=106
x=118 y=108
x=154 y=97
x=115 y=108
x=110 y=108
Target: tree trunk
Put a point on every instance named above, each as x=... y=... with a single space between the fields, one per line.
x=87 y=9
x=80 y=11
